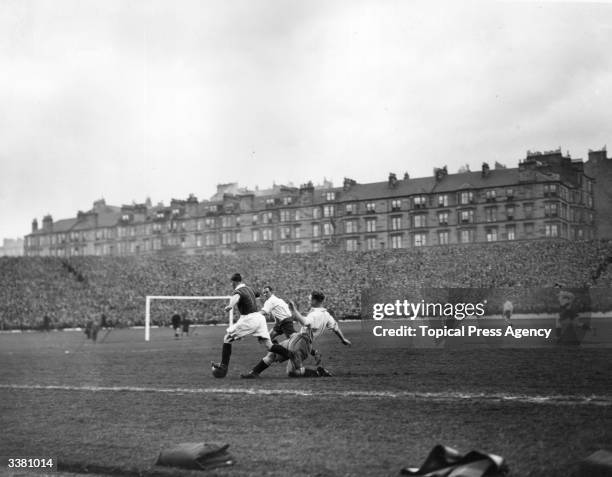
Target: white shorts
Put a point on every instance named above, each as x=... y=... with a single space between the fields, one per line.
x=252 y=324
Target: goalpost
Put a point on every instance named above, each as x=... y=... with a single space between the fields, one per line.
x=174 y=297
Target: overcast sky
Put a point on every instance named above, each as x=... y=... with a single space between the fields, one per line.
x=130 y=99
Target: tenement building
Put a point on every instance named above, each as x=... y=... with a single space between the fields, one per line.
x=548 y=196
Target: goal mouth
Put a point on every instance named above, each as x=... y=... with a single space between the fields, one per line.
x=150 y=298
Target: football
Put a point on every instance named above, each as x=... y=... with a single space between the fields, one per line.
x=218 y=372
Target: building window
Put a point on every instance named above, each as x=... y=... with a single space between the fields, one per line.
x=550 y=190
x=328 y=211
x=396 y=205
x=328 y=229
x=528 y=211
x=371 y=207
x=266 y=234
x=284 y=248
x=490 y=214
x=287 y=200
x=419 y=202
x=443 y=218
x=316 y=213
x=466 y=197
x=298 y=232
x=298 y=248
x=510 y=212
x=528 y=230
x=420 y=240
x=351 y=245
x=350 y=226
x=490 y=195
x=396 y=241
x=466 y=216
x=316 y=246
x=227 y=221
x=492 y=235
x=371 y=243
x=266 y=217
x=285 y=232
x=350 y=209
x=551 y=210
x=270 y=202
x=443 y=237
x=209 y=222
x=419 y=221
x=396 y=223
x=210 y=239
x=509 y=194
x=255 y=235
x=316 y=230
x=226 y=238
x=443 y=200
x=551 y=230
x=510 y=232
x=330 y=196
x=466 y=236
x=285 y=215
x=371 y=225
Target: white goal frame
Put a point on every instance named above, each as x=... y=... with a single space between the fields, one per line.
x=175 y=297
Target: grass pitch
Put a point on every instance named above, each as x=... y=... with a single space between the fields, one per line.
x=109 y=408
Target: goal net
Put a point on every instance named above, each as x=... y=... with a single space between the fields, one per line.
x=168 y=305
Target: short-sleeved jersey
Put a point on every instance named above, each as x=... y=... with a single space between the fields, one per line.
x=176 y=320
x=277 y=307
x=318 y=320
x=247 y=303
x=508 y=307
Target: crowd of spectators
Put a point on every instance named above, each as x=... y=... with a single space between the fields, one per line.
x=70 y=292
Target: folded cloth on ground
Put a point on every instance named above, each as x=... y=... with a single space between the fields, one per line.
x=445 y=461
x=196 y=455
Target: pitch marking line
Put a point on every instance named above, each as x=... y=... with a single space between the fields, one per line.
x=569 y=400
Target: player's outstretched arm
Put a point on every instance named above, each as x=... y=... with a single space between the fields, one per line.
x=339 y=334
x=297 y=316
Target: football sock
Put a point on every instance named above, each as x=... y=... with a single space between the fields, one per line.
x=226 y=352
x=278 y=349
x=259 y=367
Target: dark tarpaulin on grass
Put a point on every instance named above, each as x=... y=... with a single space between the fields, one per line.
x=445 y=461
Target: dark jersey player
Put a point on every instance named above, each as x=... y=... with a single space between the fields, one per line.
x=251 y=322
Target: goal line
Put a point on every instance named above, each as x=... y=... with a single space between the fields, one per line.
x=175 y=297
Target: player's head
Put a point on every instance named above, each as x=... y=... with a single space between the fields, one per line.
x=267 y=291
x=316 y=298
x=236 y=279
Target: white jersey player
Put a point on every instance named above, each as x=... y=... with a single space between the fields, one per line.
x=300 y=345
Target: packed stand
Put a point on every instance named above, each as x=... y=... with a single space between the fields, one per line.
x=71 y=292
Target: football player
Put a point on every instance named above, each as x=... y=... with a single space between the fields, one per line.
x=300 y=345
x=251 y=322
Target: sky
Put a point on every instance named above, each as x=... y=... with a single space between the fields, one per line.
x=130 y=99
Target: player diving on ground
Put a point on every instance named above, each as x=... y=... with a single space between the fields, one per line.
x=300 y=345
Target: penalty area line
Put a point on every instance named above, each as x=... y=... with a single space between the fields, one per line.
x=558 y=399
